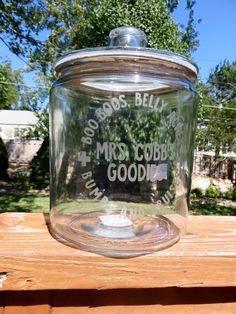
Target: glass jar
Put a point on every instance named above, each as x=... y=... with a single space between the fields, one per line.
x=122 y=121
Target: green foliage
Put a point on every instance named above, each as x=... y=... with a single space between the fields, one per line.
x=3 y=161
x=197 y=193
x=20 y=24
x=68 y=25
x=231 y=194
x=215 y=209
x=23 y=202
x=21 y=182
x=39 y=176
x=40 y=131
x=172 y=5
x=9 y=93
x=190 y=33
x=218 y=110
x=212 y=192
x=151 y=16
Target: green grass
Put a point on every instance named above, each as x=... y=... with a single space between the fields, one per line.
x=91 y=205
x=212 y=209
x=23 y=202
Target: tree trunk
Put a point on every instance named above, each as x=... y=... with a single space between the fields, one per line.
x=217 y=152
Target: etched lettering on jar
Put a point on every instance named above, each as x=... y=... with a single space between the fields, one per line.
x=136 y=172
x=90 y=185
x=114 y=104
x=151 y=151
x=150 y=101
x=111 y=151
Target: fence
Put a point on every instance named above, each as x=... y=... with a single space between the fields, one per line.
x=208 y=166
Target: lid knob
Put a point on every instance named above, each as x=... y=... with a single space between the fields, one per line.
x=127 y=37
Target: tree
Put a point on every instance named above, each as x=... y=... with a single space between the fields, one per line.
x=39 y=175
x=9 y=88
x=70 y=25
x=9 y=94
x=3 y=160
x=151 y=16
x=190 y=33
x=20 y=23
x=14 y=94
x=219 y=109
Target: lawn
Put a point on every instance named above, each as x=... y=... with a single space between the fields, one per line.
x=23 y=202
x=37 y=203
x=212 y=207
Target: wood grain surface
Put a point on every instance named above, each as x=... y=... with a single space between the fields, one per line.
x=31 y=259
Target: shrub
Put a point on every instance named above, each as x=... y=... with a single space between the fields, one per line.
x=212 y=191
x=231 y=194
x=21 y=181
x=3 y=161
x=39 y=176
x=197 y=193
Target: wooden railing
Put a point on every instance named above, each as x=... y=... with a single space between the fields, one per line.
x=40 y=275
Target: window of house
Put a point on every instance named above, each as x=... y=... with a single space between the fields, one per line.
x=16 y=132
x=21 y=132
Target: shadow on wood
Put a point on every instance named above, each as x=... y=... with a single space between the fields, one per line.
x=167 y=300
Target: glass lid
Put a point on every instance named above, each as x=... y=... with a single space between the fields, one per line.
x=124 y=42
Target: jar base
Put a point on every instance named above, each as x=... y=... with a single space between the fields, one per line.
x=117 y=235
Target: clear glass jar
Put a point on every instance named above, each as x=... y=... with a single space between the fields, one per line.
x=123 y=120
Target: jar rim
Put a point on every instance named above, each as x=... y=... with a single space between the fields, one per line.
x=77 y=55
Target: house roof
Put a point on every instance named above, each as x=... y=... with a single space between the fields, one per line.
x=17 y=117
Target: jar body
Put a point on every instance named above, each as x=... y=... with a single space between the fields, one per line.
x=121 y=158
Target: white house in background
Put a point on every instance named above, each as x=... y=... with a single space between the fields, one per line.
x=13 y=124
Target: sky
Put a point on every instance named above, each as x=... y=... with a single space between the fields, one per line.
x=217 y=36
x=217 y=32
